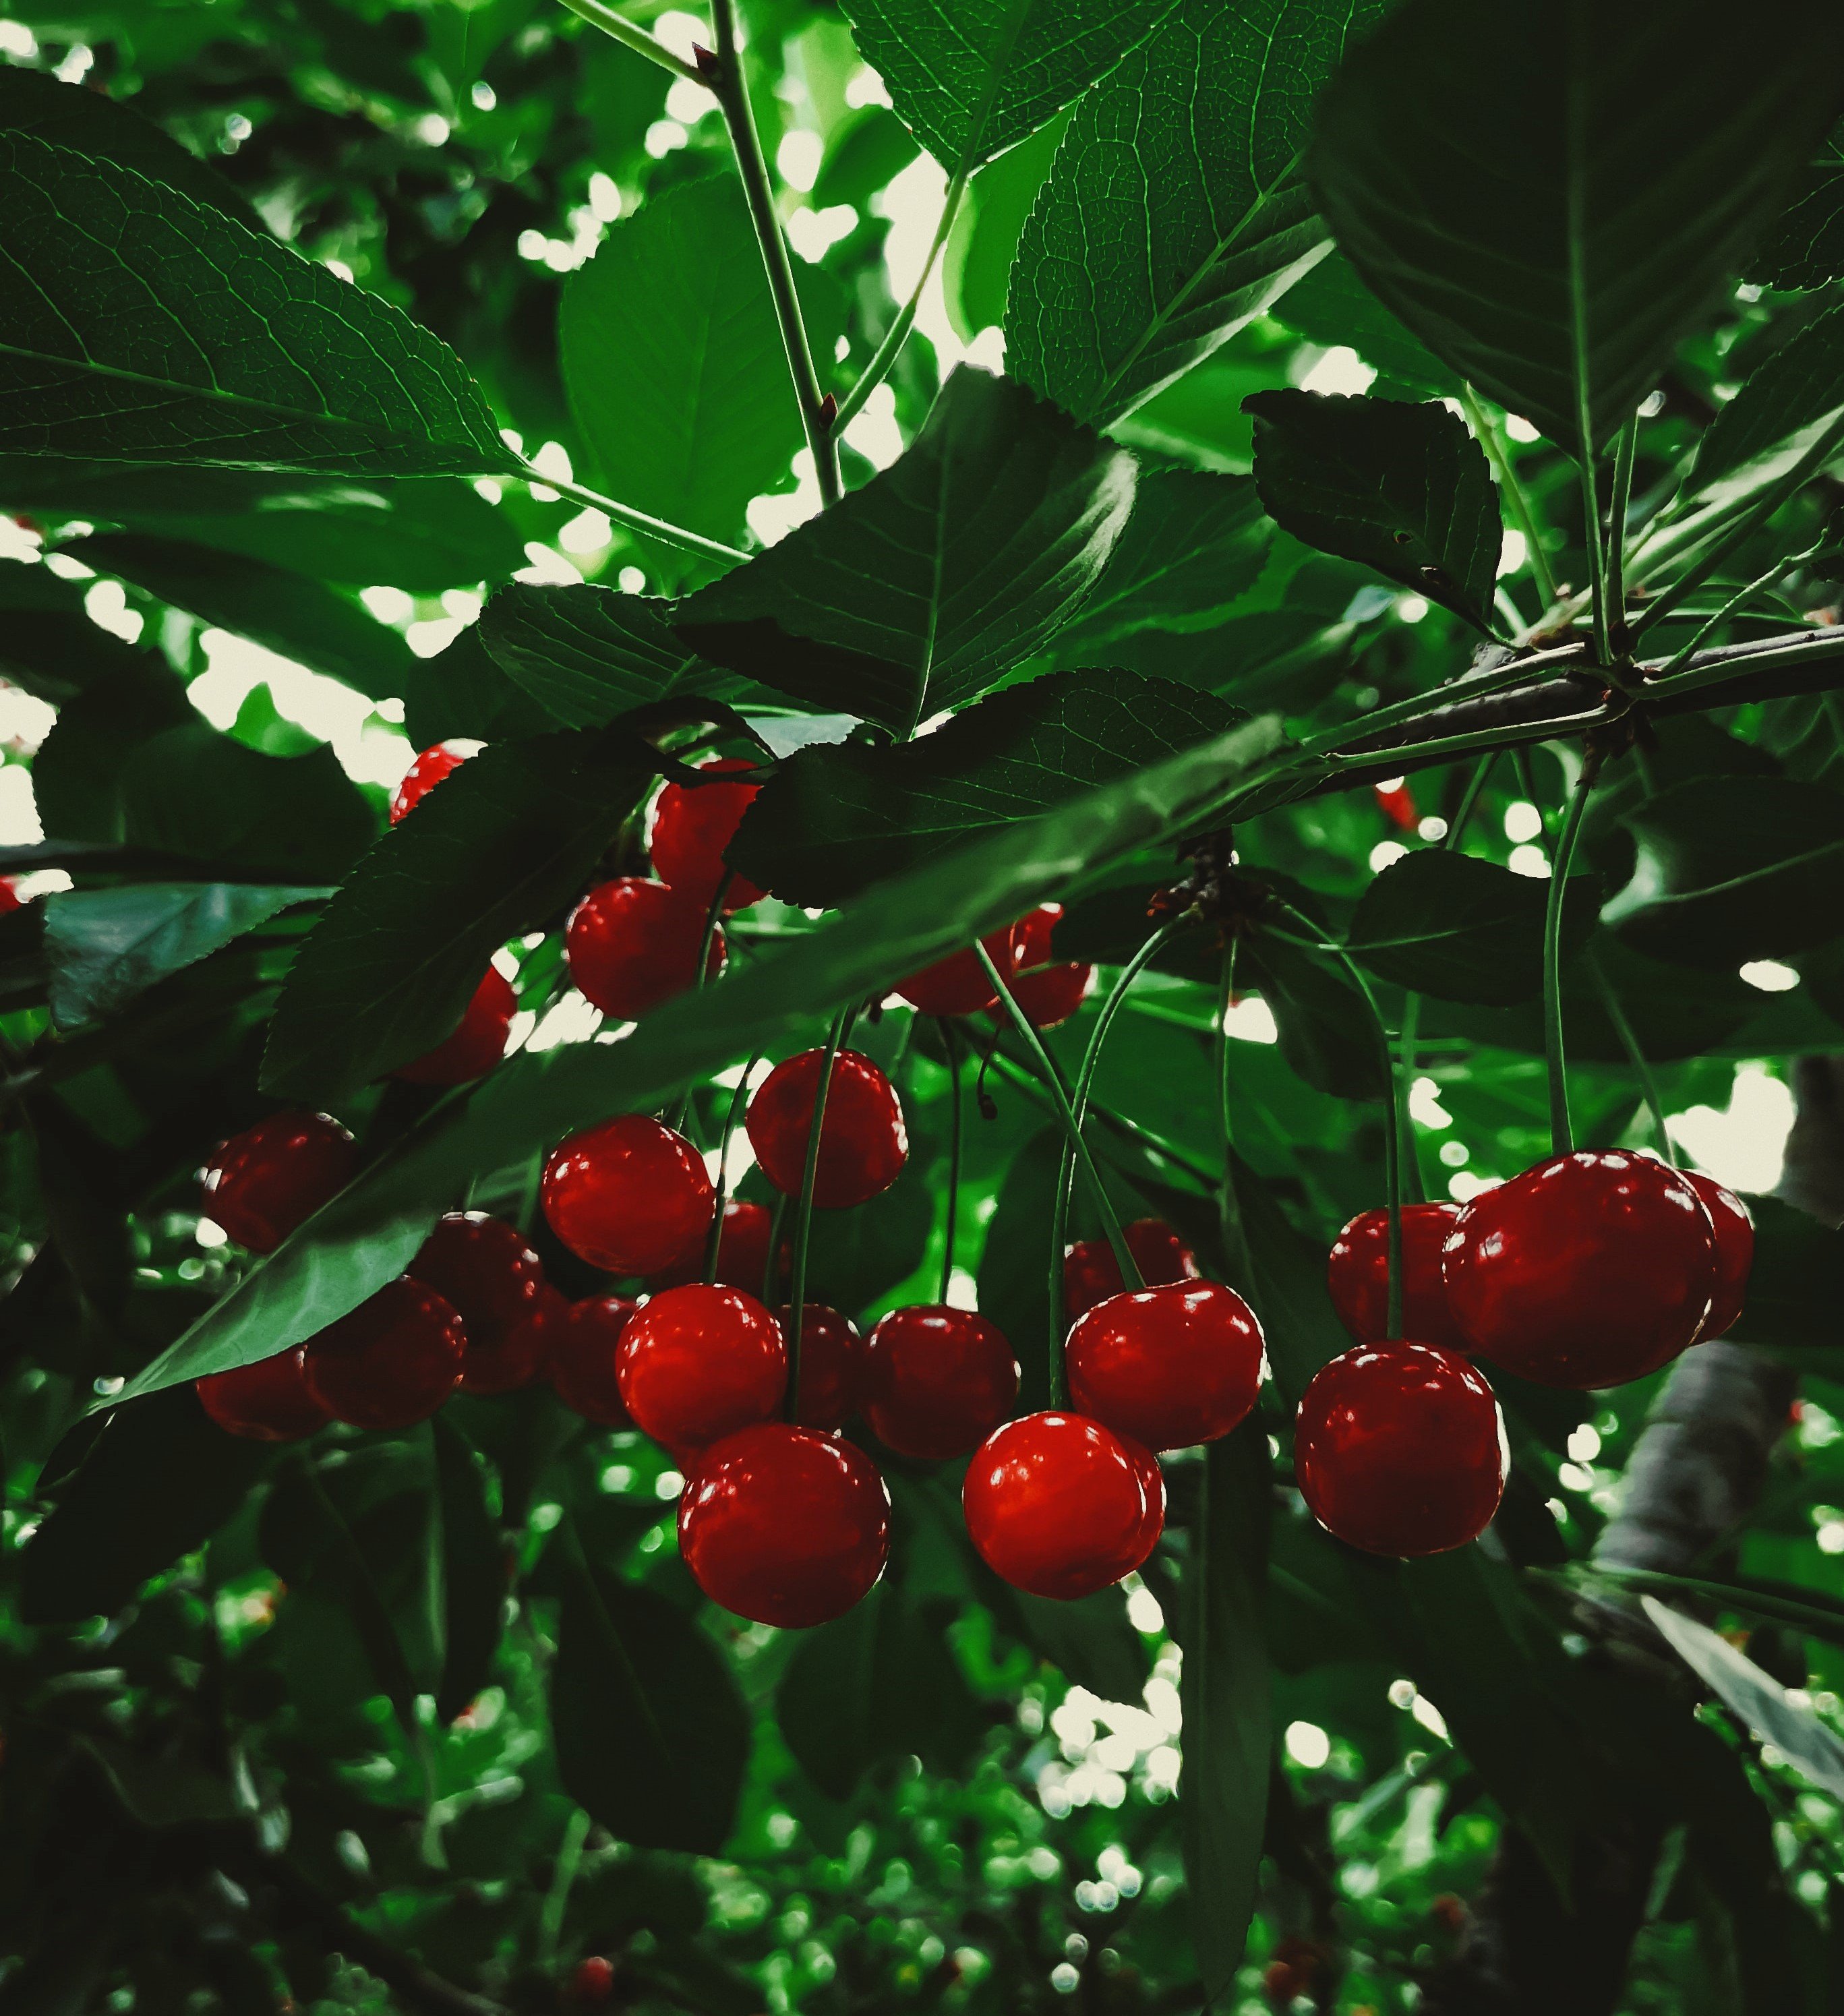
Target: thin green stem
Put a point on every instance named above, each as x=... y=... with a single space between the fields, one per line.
x=641 y=521
x=1515 y=495
x=1561 y=1133
x=1408 y=1055
x=1015 y=1072
x=772 y=1268
x=1642 y=1070
x=1236 y=1258
x=951 y=1044
x=701 y=973
x=731 y=1113
x=1596 y=559
x=550 y=1921
x=1469 y=799
x=886 y=354
x=727 y=81
x=1746 y=592
x=1617 y=507
x=630 y=34
x=803 y=1220
x=1033 y=1042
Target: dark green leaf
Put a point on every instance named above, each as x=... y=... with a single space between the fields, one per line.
x=1810 y=1611
x=474 y=1571
x=1090 y=1641
x=1404 y=489
x=463 y=692
x=1796 y=1286
x=1286 y=1286
x=1734 y=868
x=587 y=654
x=1330 y=305
x=1176 y=211
x=673 y=360
x=863 y=152
x=48 y=643
x=1228 y=1716
x=1806 y=248
x=1557 y=265
x=837 y=819
x=651 y=1734
x=158 y=1481
x=1326 y=1032
x=78 y=774
x=977 y=260
x=919 y=591
x=1787 y=404
x=1449 y=924
x=154 y=329
x=971 y=81
x=396 y=957
x=107 y=945
x=1014 y=1262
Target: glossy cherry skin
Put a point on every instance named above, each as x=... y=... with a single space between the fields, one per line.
x=630 y=1195
x=592 y=1984
x=391 y=1362
x=1590 y=1270
x=427 y=772
x=582 y=1349
x=742 y=1252
x=1048 y=994
x=1734 y=1253
x=1091 y=1274
x=260 y=1184
x=784 y=1526
x=483 y=1268
x=632 y=944
x=957 y=984
x=479 y=1040
x=1357 y=1272
x=1062 y=1507
x=268 y=1401
x=936 y=1381
x=692 y=826
x=1169 y=1366
x=1400 y=1448
x=832 y=1366
x=863 y=1143
x=10 y=898
x=695 y=1364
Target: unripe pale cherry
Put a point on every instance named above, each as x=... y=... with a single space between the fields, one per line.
x=630 y=1196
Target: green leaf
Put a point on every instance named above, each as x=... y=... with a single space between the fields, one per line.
x=1326 y=1031
x=1228 y=1713
x=284 y=611
x=1796 y=1286
x=396 y=954
x=1287 y=1288
x=1514 y=182
x=1194 y=544
x=977 y=260
x=1176 y=211
x=152 y=329
x=1452 y=925
x=1761 y=1702
x=864 y=153
x=474 y=1571
x=586 y=654
x=1330 y=305
x=1784 y=407
x=1404 y=489
x=651 y=1734
x=971 y=77
x=1014 y=1261
x=837 y=818
x=108 y=945
x=77 y=776
x=49 y=646
x=1734 y=868
x=917 y=592
x=673 y=361
x=1806 y=248
x=366 y=1234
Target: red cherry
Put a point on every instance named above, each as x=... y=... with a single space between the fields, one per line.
x=1590 y=1270
x=268 y=1402
x=863 y=1143
x=582 y=1348
x=1397 y=803
x=832 y=1360
x=1168 y=1366
x=260 y=1184
x=936 y=1381
x=630 y=1195
x=1357 y=1271
x=1061 y=1506
x=1048 y=994
x=632 y=944
x=478 y=1042
x=1091 y=1274
x=593 y=1982
x=695 y=1364
x=10 y=898
x=957 y=984
x=391 y=1362
x=742 y=1252
x=427 y=772
x=692 y=826
x=785 y=1526
x=1400 y=1448
x=483 y=1268
x=1734 y=1253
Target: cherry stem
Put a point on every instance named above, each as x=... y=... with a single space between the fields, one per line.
x=1053 y=1079
x=1561 y=1133
x=1413 y=1179
x=1642 y=1070
x=1619 y=505
x=731 y=1115
x=771 y=1273
x=803 y=1217
x=1237 y=1257
x=685 y=1110
x=953 y=1050
x=1475 y=785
